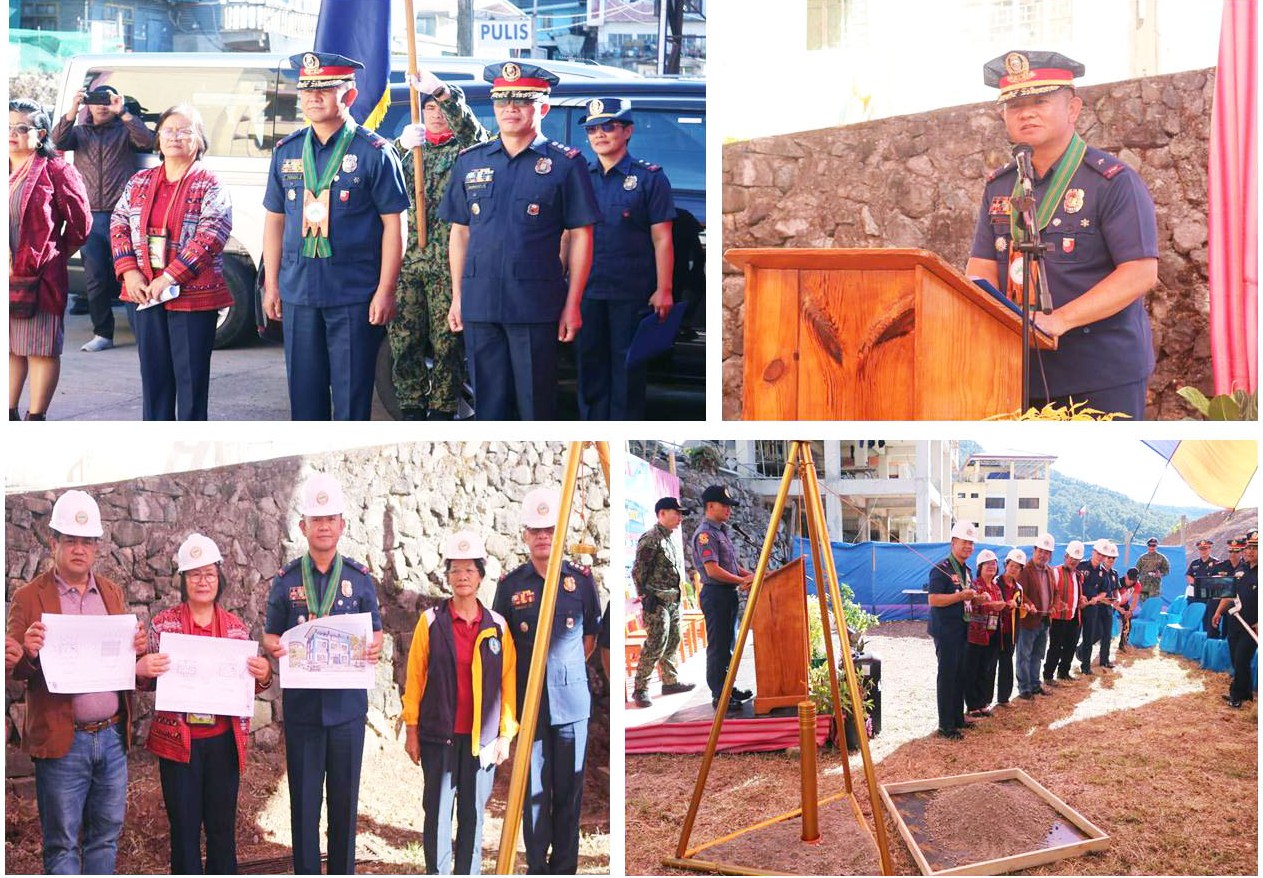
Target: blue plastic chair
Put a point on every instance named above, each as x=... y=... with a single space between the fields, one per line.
x=1174 y=636
x=1192 y=642
x=1175 y=611
x=1146 y=624
x=1215 y=655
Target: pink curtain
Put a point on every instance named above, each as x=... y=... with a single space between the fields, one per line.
x=1233 y=203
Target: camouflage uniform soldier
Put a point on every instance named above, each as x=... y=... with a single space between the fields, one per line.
x=1152 y=566
x=425 y=283
x=657 y=573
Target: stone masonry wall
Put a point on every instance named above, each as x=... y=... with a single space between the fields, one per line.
x=916 y=181
x=403 y=501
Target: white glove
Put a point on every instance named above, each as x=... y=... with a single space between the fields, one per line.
x=411 y=136
x=425 y=82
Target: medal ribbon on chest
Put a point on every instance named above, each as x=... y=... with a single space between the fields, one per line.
x=316 y=192
x=1066 y=168
x=325 y=604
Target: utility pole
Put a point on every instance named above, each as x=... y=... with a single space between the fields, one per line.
x=465 y=27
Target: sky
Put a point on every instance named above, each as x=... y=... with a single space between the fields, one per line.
x=1120 y=464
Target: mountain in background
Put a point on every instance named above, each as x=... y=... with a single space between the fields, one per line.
x=1109 y=513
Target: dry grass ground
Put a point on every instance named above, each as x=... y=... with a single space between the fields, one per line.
x=390 y=819
x=1149 y=753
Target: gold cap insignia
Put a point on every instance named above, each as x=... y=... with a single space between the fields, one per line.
x=595 y=106
x=311 y=63
x=1018 y=67
x=511 y=72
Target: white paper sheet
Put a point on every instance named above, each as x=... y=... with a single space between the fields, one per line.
x=329 y=653
x=88 y=653
x=207 y=675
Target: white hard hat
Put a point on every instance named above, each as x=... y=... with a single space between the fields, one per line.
x=1074 y=549
x=322 y=495
x=75 y=514
x=1016 y=555
x=1105 y=547
x=986 y=555
x=964 y=530
x=540 y=507
x=464 y=544
x=197 y=551
x=1111 y=551
x=1046 y=541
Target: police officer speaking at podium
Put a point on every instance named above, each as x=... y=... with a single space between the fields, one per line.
x=332 y=245
x=509 y=202
x=1097 y=220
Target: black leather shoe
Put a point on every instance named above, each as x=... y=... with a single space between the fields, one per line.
x=1086 y=672
x=642 y=699
x=950 y=734
x=674 y=688
x=1234 y=704
x=1027 y=696
x=1065 y=676
x=742 y=694
x=1109 y=665
x=734 y=706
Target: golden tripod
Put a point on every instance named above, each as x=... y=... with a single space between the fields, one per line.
x=539 y=657
x=798 y=463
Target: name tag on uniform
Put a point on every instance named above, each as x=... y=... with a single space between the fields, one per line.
x=292 y=166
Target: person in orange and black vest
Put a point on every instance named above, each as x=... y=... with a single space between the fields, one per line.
x=201 y=757
x=950 y=587
x=459 y=708
x=1063 y=631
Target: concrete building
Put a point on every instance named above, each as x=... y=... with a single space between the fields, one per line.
x=1005 y=494
x=883 y=490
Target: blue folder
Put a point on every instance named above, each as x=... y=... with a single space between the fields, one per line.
x=652 y=337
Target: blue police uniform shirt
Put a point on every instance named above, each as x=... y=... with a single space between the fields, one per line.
x=1198 y=568
x=287 y=607
x=565 y=697
x=949 y=621
x=1245 y=585
x=1105 y=218
x=516 y=208
x=633 y=195
x=711 y=542
x=1098 y=580
x=369 y=184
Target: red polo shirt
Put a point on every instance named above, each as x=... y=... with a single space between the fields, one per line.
x=465 y=634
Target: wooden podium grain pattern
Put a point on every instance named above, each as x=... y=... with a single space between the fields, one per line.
x=874 y=334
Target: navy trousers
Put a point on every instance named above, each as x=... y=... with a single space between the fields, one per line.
x=950 y=684
x=1126 y=398
x=455 y=784
x=608 y=390
x=1098 y=622
x=719 y=609
x=175 y=353
x=100 y=282
x=203 y=793
x=513 y=368
x=331 y=361
x=550 y=814
x=324 y=760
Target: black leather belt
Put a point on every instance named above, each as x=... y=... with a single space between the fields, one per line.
x=98 y=725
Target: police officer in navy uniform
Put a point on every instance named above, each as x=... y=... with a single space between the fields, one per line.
x=550 y=812
x=1097 y=218
x=1204 y=565
x=715 y=558
x=633 y=261
x=324 y=728
x=509 y=202
x=1241 y=646
x=332 y=245
x=950 y=586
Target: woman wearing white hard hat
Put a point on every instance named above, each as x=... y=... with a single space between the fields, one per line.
x=1006 y=647
x=458 y=709
x=200 y=756
x=983 y=651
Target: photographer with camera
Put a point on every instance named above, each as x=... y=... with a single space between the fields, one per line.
x=105 y=137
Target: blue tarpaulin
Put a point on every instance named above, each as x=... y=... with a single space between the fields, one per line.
x=878 y=573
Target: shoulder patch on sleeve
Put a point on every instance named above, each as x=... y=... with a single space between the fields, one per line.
x=1000 y=172
x=649 y=165
x=288 y=137
x=356 y=565
x=290 y=565
x=475 y=146
x=372 y=137
x=1113 y=171
x=568 y=151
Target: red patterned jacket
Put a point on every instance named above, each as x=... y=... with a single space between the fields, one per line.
x=55 y=222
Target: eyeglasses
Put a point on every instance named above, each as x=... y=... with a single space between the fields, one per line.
x=176 y=133
x=604 y=126
x=22 y=129
x=202 y=576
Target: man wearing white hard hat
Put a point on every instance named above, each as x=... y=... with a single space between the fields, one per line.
x=459 y=708
x=78 y=742
x=201 y=757
x=550 y=812
x=1063 y=631
x=324 y=728
x=1100 y=583
x=1032 y=628
x=950 y=586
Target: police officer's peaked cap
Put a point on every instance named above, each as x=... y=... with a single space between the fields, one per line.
x=1204 y=543
x=1153 y=541
x=668 y=503
x=601 y=110
x=324 y=69
x=1252 y=538
x=719 y=494
x=517 y=80
x=1236 y=544
x=1021 y=73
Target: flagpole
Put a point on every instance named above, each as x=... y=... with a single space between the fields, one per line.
x=418 y=163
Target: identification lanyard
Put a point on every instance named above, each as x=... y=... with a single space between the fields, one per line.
x=317 y=607
x=316 y=192
x=1070 y=161
x=158 y=242
x=199 y=719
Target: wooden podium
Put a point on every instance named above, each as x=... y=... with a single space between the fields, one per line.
x=781 y=648
x=874 y=334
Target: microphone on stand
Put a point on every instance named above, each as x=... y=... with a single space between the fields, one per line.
x=1023 y=155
